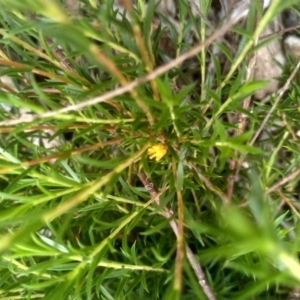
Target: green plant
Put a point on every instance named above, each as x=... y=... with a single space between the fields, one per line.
x=88 y=216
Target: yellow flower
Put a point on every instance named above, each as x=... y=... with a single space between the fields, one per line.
x=157 y=151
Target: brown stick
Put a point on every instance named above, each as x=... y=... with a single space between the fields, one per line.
x=230 y=22
x=280 y=94
x=282 y=181
x=242 y=119
x=263 y=124
x=168 y=213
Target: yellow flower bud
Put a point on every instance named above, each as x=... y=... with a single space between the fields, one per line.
x=157 y=151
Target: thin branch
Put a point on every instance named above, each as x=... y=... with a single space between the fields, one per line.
x=229 y=23
x=141 y=45
x=180 y=243
x=61 y=154
x=288 y=202
x=168 y=213
x=280 y=94
x=279 y=32
x=60 y=55
x=282 y=181
x=242 y=119
x=224 y=7
x=208 y=184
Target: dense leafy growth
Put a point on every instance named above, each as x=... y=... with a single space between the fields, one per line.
x=87 y=187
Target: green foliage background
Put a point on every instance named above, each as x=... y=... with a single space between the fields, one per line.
x=76 y=220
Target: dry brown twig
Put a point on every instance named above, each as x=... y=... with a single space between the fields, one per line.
x=288 y=202
x=280 y=32
x=208 y=184
x=168 y=214
x=62 y=154
x=224 y=7
x=279 y=96
x=59 y=54
x=283 y=181
x=127 y=87
x=263 y=124
x=242 y=119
